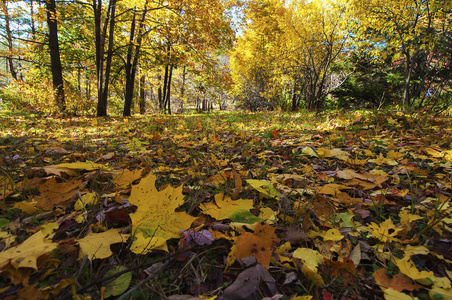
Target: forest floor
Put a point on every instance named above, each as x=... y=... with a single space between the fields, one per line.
x=353 y=205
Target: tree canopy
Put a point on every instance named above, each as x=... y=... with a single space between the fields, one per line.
x=129 y=56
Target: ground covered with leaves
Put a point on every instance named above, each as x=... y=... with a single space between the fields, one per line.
x=226 y=206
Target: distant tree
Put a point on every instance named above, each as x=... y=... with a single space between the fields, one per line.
x=55 y=61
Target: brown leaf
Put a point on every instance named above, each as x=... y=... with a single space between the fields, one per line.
x=56 y=193
x=249 y=282
x=399 y=282
x=345 y=269
x=259 y=244
x=118 y=217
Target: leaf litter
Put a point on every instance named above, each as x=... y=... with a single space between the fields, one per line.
x=226 y=206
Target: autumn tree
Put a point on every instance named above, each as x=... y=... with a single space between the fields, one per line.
x=254 y=59
x=416 y=36
x=287 y=52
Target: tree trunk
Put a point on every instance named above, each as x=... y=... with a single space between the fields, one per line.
x=100 y=35
x=99 y=44
x=102 y=83
x=132 y=60
x=32 y=20
x=55 y=61
x=129 y=80
x=142 y=95
x=9 y=40
x=165 y=83
x=406 y=87
x=112 y=7
x=168 y=94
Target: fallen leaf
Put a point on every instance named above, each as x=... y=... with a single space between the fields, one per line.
x=343 y=269
x=226 y=208
x=86 y=199
x=26 y=254
x=248 y=282
x=155 y=220
x=97 y=245
x=407 y=267
x=120 y=284
x=311 y=260
x=56 y=193
x=264 y=187
x=125 y=177
x=385 y=232
x=258 y=244
x=398 y=283
x=333 y=235
x=391 y=294
x=27 y=207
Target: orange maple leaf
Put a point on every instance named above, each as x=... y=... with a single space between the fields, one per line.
x=258 y=244
x=399 y=282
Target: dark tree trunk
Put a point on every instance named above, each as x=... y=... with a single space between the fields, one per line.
x=109 y=57
x=142 y=95
x=9 y=40
x=99 y=44
x=168 y=94
x=160 y=97
x=132 y=60
x=102 y=84
x=165 y=83
x=130 y=81
x=55 y=61
x=88 y=88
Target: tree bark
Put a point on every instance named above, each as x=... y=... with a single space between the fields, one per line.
x=101 y=33
x=55 y=61
x=165 y=83
x=9 y=40
x=142 y=95
x=168 y=94
x=112 y=7
x=132 y=59
x=99 y=44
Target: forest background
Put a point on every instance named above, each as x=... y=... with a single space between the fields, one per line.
x=135 y=56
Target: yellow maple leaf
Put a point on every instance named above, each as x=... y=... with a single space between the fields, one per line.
x=155 y=220
x=433 y=151
x=26 y=254
x=406 y=218
x=394 y=155
x=407 y=267
x=86 y=199
x=339 y=154
x=311 y=260
x=308 y=151
x=97 y=245
x=126 y=177
x=87 y=166
x=27 y=207
x=56 y=193
x=385 y=232
x=333 y=235
x=226 y=208
x=391 y=294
